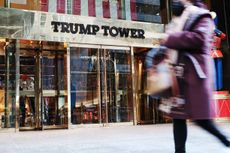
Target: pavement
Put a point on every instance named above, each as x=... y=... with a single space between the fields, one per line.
x=113 y=139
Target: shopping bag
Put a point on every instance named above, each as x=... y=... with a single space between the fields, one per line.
x=175 y=103
x=159 y=79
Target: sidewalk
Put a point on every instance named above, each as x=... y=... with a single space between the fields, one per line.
x=116 y=139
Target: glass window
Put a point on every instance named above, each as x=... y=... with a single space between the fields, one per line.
x=135 y=10
x=44 y=5
x=145 y=10
x=61 y=6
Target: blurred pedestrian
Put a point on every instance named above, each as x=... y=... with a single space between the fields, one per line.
x=193 y=44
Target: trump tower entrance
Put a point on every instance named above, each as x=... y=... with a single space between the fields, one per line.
x=101 y=84
x=61 y=70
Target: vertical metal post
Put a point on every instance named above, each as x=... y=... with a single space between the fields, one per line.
x=57 y=86
x=105 y=88
x=116 y=83
x=7 y=78
x=133 y=88
x=68 y=86
x=38 y=90
x=40 y=94
x=99 y=85
x=17 y=86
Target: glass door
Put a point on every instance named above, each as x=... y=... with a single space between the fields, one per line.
x=118 y=83
x=85 y=78
x=101 y=84
x=43 y=86
x=27 y=102
x=54 y=89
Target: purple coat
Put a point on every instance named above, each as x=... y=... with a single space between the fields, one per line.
x=198 y=92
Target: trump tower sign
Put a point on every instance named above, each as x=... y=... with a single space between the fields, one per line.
x=43 y=26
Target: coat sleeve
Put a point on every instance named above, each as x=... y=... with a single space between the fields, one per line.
x=193 y=40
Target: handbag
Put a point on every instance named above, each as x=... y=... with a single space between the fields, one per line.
x=162 y=81
x=159 y=77
x=176 y=103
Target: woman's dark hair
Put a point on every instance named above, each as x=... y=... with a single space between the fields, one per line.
x=199 y=3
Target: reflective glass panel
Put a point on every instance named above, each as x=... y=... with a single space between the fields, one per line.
x=27 y=86
x=145 y=10
x=54 y=85
x=119 y=86
x=84 y=88
x=101 y=90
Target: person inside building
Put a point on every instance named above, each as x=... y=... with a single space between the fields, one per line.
x=193 y=45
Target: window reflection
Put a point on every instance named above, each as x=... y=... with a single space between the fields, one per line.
x=27 y=85
x=135 y=10
x=100 y=84
x=121 y=107
x=147 y=12
x=84 y=89
x=54 y=85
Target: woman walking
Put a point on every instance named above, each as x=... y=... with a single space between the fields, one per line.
x=193 y=44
